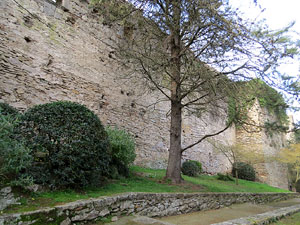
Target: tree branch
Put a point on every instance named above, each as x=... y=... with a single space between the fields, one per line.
x=207 y=136
x=152 y=81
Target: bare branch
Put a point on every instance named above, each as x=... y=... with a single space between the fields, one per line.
x=207 y=136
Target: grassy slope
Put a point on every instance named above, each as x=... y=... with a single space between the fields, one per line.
x=142 y=180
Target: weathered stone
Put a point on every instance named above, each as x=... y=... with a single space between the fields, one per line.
x=49 y=8
x=84 y=216
x=125 y=205
x=104 y=212
x=7 y=198
x=65 y=5
x=114 y=219
x=5 y=190
x=67 y=221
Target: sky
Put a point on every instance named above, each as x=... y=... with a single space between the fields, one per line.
x=277 y=14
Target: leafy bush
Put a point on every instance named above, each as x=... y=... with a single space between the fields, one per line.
x=224 y=177
x=191 y=168
x=15 y=158
x=68 y=142
x=198 y=164
x=123 y=150
x=244 y=170
x=6 y=109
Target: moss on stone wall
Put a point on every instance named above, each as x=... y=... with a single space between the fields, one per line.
x=268 y=98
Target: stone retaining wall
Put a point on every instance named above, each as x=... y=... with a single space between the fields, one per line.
x=7 y=198
x=147 y=204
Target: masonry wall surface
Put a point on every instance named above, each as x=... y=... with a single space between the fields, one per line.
x=258 y=139
x=50 y=54
x=146 y=204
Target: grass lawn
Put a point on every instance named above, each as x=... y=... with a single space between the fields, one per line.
x=290 y=220
x=141 y=180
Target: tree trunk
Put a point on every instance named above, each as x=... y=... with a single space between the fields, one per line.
x=236 y=177
x=174 y=163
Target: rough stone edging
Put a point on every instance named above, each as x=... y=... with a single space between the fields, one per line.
x=263 y=218
x=145 y=204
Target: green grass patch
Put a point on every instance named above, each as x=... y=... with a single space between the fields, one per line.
x=212 y=184
x=141 y=180
x=290 y=220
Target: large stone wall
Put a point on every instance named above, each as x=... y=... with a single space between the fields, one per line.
x=146 y=204
x=48 y=54
x=51 y=53
x=258 y=139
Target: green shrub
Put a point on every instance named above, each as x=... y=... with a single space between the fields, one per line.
x=191 y=168
x=68 y=142
x=15 y=158
x=224 y=177
x=6 y=109
x=198 y=164
x=245 y=171
x=123 y=150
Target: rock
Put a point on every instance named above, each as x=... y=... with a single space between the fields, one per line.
x=35 y=188
x=66 y=222
x=104 y=212
x=7 y=198
x=5 y=191
x=125 y=205
x=114 y=219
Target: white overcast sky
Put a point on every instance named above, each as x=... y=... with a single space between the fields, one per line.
x=278 y=14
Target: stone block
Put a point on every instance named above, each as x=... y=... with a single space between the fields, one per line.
x=65 y=4
x=49 y=9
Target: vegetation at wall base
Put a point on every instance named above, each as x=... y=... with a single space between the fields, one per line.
x=122 y=151
x=224 y=177
x=68 y=142
x=140 y=180
x=191 y=168
x=244 y=171
x=15 y=157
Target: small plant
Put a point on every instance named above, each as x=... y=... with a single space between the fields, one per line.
x=243 y=171
x=68 y=142
x=191 y=168
x=224 y=177
x=123 y=150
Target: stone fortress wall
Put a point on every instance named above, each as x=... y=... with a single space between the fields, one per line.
x=258 y=139
x=58 y=51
